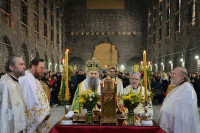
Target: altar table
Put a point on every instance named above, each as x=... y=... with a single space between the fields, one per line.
x=105 y=129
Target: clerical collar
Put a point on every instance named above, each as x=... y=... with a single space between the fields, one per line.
x=181 y=83
x=13 y=77
x=134 y=88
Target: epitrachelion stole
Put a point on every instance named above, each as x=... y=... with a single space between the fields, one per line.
x=108 y=102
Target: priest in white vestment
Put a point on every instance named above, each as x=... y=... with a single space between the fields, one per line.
x=179 y=111
x=36 y=99
x=116 y=80
x=12 y=102
x=136 y=87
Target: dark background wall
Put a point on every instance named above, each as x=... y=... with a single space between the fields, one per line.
x=129 y=29
x=184 y=44
x=29 y=44
x=124 y=28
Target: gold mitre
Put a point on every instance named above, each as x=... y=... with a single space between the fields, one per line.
x=93 y=65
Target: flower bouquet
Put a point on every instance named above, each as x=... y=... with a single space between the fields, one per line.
x=131 y=101
x=88 y=100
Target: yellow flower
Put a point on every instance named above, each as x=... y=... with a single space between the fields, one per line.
x=130 y=95
x=89 y=91
x=125 y=97
x=85 y=95
x=82 y=100
x=88 y=99
x=131 y=100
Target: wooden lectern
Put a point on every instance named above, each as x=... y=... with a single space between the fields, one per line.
x=108 y=103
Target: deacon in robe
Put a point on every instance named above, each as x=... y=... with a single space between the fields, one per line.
x=136 y=86
x=92 y=82
x=116 y=80
x=12 y=102
x=179 y=111
x=36 y=99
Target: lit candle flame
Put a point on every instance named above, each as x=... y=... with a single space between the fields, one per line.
x=63 y=61
x=149 y=63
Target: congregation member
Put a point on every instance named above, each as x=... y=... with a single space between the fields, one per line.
x=179 y=111
x=37 y=102
x=12 y=102
x=55 y=90
x=164 y=82
x=92 y=82
x=196 y=84
x=164 y=85
x=135 y=86
x=104 y=75
x=80 y=76
x=156 y=88
x=126 y=80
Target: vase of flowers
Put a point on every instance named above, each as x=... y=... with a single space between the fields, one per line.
x=131 y=101
x=131 y=117
x=89 y=117
x=89 y=101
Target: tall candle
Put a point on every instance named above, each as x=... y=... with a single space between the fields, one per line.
x=142 y=65
x=148 y=64
x=145 y=74
x=66 y=74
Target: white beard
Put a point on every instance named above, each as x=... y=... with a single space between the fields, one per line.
x=93 y=83
x=176 y=82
